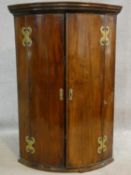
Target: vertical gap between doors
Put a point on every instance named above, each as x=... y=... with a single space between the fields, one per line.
x=65 y=94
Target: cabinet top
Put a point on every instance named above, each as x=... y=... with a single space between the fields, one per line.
x=60 y=7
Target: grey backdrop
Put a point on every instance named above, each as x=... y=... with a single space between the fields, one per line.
x=8 y=93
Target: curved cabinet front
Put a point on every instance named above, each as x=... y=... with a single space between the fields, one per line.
x=65 y=71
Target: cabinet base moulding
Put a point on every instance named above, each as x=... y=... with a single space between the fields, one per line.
x=54 y=169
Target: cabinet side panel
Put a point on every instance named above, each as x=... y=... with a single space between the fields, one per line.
x=22 y=81
x=85 y=77
x=108 y=101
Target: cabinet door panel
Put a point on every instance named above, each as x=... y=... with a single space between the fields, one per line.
x=108 y=96
x=45 y=59
x=85 y=77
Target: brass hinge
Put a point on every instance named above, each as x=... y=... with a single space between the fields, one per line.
x=104 y=41
x=30 y=141
x=102 y=144
x=26 y=32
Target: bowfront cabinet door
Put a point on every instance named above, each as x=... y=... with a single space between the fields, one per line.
x=40 y=59
x=85 y=83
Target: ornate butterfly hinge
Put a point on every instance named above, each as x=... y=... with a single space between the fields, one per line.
x=102 y=144
x=30 y=141
x=26 y=32
x=105 y=30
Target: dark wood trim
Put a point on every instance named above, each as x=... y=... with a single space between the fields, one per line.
x=57 y=7
x=54 y=169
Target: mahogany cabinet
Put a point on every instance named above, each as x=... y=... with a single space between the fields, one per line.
x=65 y=69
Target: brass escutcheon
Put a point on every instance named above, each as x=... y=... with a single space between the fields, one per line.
x=61 y=94
x=70 y=94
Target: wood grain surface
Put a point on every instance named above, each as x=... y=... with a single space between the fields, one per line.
x=44 y=79
x=85 y=77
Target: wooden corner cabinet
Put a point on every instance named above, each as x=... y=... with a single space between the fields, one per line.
x=65 y=70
